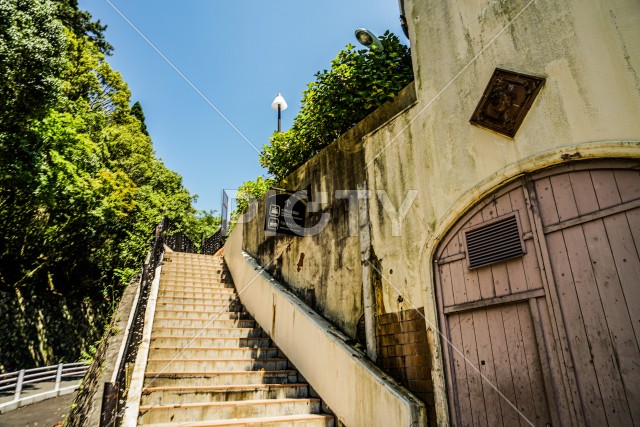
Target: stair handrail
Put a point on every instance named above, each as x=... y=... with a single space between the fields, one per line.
x=111 y=412
x=175 y=239
x=213 y=244
x=166 y=233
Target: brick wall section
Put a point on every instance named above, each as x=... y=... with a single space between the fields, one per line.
x=403 y=352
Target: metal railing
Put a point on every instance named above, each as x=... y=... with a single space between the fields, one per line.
x=14 y=382
x=114 y=395
x=213 y=244
x=176 y=240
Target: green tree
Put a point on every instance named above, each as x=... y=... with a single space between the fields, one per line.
x=81 y=188
x=31 y=46
x=250 y=191
x=136 y=111
x=80 y=22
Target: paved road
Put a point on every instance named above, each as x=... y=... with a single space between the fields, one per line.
x=42 y=414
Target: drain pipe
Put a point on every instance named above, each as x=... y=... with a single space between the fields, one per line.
x=368 y=293
x=403 y=19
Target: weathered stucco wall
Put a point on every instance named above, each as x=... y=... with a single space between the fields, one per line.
x=325 y=269
x=589 y=53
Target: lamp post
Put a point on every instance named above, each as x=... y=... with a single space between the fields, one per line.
x=279 y=104
x=368 y=39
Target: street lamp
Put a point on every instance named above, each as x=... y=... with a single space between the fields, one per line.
x=279 y=104
x=368 y=39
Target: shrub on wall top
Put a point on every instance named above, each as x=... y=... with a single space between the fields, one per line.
x=358 y=82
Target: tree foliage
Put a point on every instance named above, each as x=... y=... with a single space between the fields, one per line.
x=358 y=82
x=250 y=191
x=81 y=188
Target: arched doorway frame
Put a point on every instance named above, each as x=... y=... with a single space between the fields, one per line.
x=624 y=149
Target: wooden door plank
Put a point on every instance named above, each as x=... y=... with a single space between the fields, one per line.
x=624 y=367
x=474 y=293
x=488 y=368
x=504 y=379
x=583 y=192
x=500 y=279
x=563 y=197
x=606 y=189
x=561 y=334
x=546 y=202
x=588 y=388
x=447 y=356
x=628 y=182
x=446 y=285
x=519 y=204
x=549 y=361
x=634 y=224
x=533 y=273
x=534 y=367
x=627 y=261
x=517 y=277
x=474 y=381
x=454 y=247
x=485 y=282
x=598 y=344
x=517 y=357
x=503 y=204
x=458 y=282
x=461 y=406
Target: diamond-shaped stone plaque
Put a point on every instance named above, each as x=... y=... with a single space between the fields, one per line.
x=506 y=101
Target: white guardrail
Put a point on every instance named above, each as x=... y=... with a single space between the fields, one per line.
x=42 y=380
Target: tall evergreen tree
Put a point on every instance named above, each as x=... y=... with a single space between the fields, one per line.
x=136 y=111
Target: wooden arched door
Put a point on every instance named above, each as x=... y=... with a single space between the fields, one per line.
x=538 y=290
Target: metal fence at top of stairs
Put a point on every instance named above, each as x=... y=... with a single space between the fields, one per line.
x=166 y=233
x=179 y=242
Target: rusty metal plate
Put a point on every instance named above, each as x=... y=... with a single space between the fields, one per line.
x=506 y=101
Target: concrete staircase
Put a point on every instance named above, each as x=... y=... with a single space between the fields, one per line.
x=210 y=364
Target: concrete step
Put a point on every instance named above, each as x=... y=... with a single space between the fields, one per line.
x=211 y=332
x=206 y=275
x=182 y=379
x=216 y=365
x=209 y=362
x=227 y=410
x=304 y=420
x=197 y=283
x=175 y=322
x=212 y=308
x=188 y=265
x=213 y=353
x=199 y=342
x=203 y=314
x=178 y=395
x=207 y=288
x=197 y=293
x=222 y=299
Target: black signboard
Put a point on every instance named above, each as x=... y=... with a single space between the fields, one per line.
x=285 y=213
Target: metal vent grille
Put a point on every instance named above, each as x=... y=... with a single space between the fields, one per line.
x=494 y=242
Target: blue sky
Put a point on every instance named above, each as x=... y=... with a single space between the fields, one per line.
x=237 y=54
